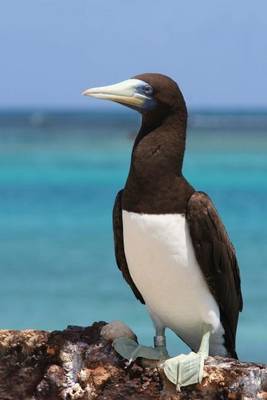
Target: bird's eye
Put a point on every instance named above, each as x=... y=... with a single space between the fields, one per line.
x=148 y=90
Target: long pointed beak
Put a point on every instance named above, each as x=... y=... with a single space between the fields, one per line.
x=127 y=92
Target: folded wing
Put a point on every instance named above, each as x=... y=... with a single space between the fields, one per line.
x=217 y=260
x=119 y=246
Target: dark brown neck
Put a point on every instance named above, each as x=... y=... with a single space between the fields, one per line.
x=155 y=182
x=168 y=130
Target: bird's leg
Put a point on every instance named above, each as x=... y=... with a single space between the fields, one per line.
x=131 y=350
x=160 y=344
x=187 y=369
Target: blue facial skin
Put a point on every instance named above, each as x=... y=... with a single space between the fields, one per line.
x=146 y=90
x=149 y=104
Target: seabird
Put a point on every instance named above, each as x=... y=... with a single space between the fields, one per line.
x=170 y=243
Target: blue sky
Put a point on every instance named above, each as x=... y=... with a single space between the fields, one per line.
x=52 y=49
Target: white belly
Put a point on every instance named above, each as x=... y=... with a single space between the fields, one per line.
x=163 y=266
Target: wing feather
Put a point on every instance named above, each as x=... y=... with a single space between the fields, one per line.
x=119 y=246
x=217 y=260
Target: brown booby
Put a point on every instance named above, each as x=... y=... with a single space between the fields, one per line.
x=170 y=243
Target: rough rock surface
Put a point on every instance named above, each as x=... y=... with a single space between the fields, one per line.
x=80 y=363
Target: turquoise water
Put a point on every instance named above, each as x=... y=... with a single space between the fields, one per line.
x=59 y=175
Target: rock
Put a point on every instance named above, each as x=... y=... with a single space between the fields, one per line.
x=81 y=364
x=116 y=329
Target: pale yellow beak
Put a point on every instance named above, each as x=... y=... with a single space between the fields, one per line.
x=126 y=92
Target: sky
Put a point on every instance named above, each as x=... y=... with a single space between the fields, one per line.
x=50 y=50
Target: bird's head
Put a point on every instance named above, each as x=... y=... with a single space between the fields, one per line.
x=145 y=93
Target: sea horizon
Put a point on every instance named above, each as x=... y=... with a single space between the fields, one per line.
x=214 y=117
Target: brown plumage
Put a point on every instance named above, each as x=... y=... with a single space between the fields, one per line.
x=119 y=247
x=217 y=260
x=156 y=185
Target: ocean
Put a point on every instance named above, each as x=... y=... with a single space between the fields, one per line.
x=59 y=174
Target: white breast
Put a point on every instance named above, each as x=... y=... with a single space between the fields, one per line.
x=163 y=266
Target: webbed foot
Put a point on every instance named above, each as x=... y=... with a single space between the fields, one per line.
x=131 y=350
x=187 y=369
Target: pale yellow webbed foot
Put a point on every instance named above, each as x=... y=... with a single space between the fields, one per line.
x=187 y=369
